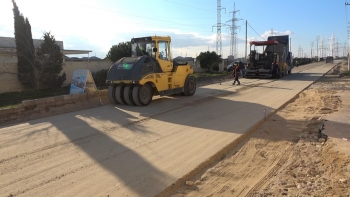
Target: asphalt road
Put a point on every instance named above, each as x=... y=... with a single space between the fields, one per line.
x=119 y=150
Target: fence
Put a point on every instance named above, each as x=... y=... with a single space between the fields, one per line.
x=8 y=69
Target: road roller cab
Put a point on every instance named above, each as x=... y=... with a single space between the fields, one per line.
x=148 y=72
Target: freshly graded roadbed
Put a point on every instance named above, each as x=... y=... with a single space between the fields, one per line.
x=120 y=150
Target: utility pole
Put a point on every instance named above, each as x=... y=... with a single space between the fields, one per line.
x=246 y=39
x=346 y=3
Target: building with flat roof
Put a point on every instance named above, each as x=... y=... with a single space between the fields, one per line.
x=8 y=47
x=8 y=63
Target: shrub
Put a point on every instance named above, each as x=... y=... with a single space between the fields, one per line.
x=100 y=77
x=216 y=67
x=346 y=72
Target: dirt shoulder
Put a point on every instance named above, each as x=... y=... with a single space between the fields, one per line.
x=288 y=155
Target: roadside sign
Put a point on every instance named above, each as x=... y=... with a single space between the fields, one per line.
x=82 y=81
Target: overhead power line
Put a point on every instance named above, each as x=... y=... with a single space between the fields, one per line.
x=189 y=6
x=255 y=31
x=143 y=17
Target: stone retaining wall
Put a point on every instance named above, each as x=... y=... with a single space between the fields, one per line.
x=39 y=108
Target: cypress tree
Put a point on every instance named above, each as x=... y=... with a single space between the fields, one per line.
x=24 y=48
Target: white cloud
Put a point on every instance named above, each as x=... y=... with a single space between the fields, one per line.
x=275 y=33
x=88 y=25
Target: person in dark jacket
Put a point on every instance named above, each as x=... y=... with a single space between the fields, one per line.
x=242 y=69
x=235 y=73
x=274 y=69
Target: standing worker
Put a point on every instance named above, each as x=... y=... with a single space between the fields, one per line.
x=235 y=73
x=242 y=68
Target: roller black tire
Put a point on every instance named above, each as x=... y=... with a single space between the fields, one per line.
x=119 y=94
x=111 y=94
x=135 y=95
x=145 y=94
x=128 y=95
x=190 y=86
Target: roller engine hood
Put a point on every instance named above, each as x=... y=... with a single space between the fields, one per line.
x=129 y=68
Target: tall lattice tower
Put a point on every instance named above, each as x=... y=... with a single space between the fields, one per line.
x=336 y=49
x=332 y=46
x=322 y=47
x=218 y=27
x=233 y=28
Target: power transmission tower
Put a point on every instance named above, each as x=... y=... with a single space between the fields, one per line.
x=234 y=27
x=344 y=49
x=322 y=47
x=218 y=28
x=317 y=39
x=312 y=45
x=336 y=50
x=331 y=46
x=300 y=52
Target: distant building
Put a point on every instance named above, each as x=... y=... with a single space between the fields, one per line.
x=8 y=47
x=92 y=58
x=189 y=60
x=8 y=64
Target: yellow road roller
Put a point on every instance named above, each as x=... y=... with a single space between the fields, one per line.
x=150 y=71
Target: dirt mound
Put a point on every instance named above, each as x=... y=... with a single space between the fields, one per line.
x=289 y=155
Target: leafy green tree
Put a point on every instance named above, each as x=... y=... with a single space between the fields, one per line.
x=208 y=60
x=24 y=48
x=123 y=49
x=48 y=63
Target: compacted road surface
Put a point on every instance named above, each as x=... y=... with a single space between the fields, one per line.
x=120 y=150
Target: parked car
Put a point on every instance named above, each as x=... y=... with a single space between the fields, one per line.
x=329 y=59
x=230 y=66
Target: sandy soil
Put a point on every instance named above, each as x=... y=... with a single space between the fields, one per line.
x=287 y=155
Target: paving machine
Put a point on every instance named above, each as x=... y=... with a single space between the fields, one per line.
x=275 y=49
x=148 y=72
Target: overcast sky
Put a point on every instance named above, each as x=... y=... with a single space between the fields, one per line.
x=98 y=24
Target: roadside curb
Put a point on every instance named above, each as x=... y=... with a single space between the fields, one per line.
x=50 y=106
